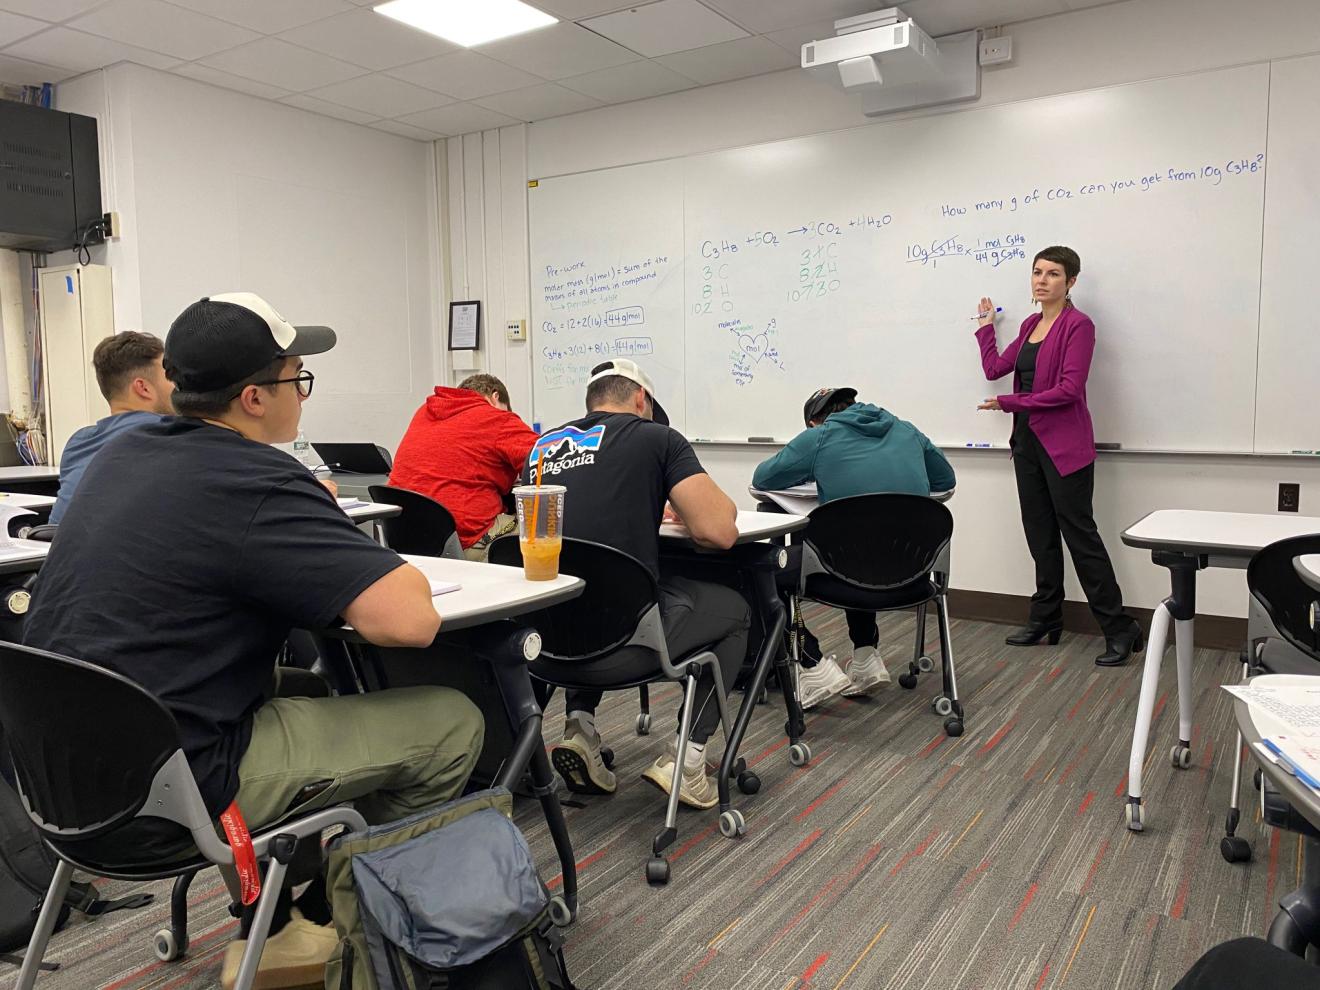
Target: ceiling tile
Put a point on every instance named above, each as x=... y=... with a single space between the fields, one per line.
x=465 y=75
x=764 y=16
x=461 y=118
x=84 y=52
x=538 y=102
x=15 y=26
x=279 y=63
x=21 y=72
x=634 y=81
x=367 y=38
x=327 y=109
x=666 y=26
x=731 y=60
x=792 y=39
x=162 y=27
x=267 y=16
x=559 y=51
x=937 y=17
x=1084 y=4
x=49 y=10
x=406 y=130
x=206 y=74
x=381 y=96
x=575 y=10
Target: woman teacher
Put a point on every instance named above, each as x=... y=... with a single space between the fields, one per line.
x=1054 y=454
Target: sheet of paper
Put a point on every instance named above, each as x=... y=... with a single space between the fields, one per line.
x=1291 y=702
x=443 y=587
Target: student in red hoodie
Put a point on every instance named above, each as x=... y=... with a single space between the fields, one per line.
x=464 y=448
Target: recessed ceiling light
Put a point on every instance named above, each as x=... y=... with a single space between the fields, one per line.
x=467 y=22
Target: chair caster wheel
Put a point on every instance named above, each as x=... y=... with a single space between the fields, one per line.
x=942 y=706
x=1235 y=849
x=908 y=681
x=748 y=782
x=167 y=947
x=657 y=871
x=1256 y=778
x=732 y=824
x=1133 y=813
x=925 y=664
x=644 y=723
x=799 y=754
x=559 y=912
x=1181 y=757
x=607 y=757
x=953 y=727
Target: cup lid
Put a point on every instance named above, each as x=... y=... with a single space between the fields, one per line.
x=526 y=490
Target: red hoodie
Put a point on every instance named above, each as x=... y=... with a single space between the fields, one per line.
x=464 y=453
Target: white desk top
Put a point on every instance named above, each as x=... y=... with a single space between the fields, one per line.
x=1230 y=534
x=22 y=556
x=23 y=501
x=752 y=526
x=1298 y=794
x=368 y=511
x=490 y=591
x=29 y=472
x=1308 y=569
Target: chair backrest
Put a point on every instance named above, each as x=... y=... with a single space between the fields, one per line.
x=879 y=541
x=424 y=527
x=86 y=742
x=1284 y=597
x=620 y=592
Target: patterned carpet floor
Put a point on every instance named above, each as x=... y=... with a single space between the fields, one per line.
x=898 y=859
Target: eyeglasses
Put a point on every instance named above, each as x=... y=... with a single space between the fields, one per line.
x=303 y=383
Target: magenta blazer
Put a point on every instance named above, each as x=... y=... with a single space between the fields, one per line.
x=1057 y=400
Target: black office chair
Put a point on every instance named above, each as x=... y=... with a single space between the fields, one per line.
x=1281 y=639
x=886 y=553
x=101 y=770
x=612 y=638
x=425 y=527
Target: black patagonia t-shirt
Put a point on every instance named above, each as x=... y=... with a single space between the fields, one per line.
x=183 y=560
x=619 y=470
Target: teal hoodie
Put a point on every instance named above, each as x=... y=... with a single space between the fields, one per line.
x=862 y=450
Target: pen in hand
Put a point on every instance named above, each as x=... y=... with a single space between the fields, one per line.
x=982 y=316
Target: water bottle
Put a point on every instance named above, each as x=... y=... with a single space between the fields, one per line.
x=303 y=450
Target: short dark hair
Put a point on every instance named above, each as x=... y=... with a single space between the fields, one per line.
x=200 y=405
x=838 y=405
x=122 y=357
x=610 y=390
x=487 y=385
x=1060 y=255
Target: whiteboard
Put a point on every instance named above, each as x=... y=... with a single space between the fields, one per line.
x=858 y=257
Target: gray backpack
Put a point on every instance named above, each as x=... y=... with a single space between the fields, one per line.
x=447 y=899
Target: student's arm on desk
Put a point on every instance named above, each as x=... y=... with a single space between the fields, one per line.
x=938 y=469
x=710 y=516
x=396 y=610
x=794 y=465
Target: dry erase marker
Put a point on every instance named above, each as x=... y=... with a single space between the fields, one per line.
x=760 y=439
x=978 y=445
x=982 y=316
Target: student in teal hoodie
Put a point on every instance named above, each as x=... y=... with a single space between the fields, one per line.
x=853 y=448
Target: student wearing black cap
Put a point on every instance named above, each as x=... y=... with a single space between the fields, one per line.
x=194 y=547
x=853 y=448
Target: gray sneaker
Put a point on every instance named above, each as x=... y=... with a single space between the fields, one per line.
x=821 y=682
x=866 y=674
x=578 y=760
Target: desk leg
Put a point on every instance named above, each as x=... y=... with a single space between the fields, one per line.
x=1150 y=682
x=1184 y=636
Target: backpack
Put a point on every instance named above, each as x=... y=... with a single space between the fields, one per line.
x=446 y=899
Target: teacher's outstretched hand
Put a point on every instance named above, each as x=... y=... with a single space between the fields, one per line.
x=1054 y=453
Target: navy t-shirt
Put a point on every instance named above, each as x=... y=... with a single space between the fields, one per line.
x=619 y=469
x=188 y=555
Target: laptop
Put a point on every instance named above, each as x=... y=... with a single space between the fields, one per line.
x=354 y=458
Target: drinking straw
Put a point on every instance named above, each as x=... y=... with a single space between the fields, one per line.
x=536 y=502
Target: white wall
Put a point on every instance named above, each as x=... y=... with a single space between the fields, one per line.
x=1142 y=39
x=331 y=222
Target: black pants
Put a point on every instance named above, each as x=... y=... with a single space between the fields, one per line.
x=1053 y=505
x=694 y=614
x=863 y=630
x=1248 y=964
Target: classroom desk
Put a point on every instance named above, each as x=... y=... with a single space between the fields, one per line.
x=37 y=479
x=356 y=484
x=1186 y=541
x=759 y=563
x=473 y=625
x=23 y=556
x=801 y=499
x=1308 y=569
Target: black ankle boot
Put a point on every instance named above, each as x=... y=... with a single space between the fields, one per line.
x=1033 y=632
x=1119 y=648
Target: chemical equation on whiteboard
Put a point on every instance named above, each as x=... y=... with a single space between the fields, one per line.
x=714 y=248
x=752 y=349
x=598 y=350
x=993 y=251
x=628 y=316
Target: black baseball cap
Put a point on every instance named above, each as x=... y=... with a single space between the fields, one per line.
x=221 y=340
x=822 y=399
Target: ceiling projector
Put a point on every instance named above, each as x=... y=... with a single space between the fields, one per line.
x=893 y=64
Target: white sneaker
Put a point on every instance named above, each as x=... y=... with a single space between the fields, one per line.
x=816 y=684
x=866 y=674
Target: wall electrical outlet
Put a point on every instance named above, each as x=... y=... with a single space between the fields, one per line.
x=111 y=221
x=515 y=329
x=1290 y=497
x=995 y=51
